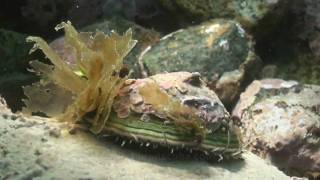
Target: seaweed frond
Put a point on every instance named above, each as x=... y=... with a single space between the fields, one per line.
x=70 y=91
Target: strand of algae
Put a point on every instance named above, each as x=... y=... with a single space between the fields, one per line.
x=99 y=61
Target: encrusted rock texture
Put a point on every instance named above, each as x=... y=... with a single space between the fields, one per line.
x=39 y=148
x=280 y=121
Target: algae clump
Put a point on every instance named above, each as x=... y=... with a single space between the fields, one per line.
x=70 y=91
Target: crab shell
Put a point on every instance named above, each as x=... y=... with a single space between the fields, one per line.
x=135 y=119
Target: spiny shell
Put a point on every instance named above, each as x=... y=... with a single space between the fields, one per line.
x=136 y=119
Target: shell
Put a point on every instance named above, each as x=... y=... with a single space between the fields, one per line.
x=135 y=118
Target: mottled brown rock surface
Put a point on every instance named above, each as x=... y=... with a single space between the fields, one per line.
x=281 y=122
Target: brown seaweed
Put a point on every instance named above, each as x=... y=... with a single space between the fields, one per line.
x=70 y=91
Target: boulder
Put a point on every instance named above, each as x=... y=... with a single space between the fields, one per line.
x=220 y=50
x=280 y=121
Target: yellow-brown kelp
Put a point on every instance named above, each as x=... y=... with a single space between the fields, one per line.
x=173 y=110
x=89 y=85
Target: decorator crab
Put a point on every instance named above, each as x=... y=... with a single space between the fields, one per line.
x=175 y=110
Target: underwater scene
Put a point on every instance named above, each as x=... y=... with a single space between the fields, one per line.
x=159 y=89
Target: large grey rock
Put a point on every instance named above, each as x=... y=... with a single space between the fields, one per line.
x=37 y=148
x=280 y=121
x=220 y=50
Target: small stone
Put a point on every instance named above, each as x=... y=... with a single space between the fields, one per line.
x=44 y=139
x=55 y=132
x=123 y=143
x=37 y=152
x=4 y=164
x=13 y=117
x=41 y=162
x=5 y=116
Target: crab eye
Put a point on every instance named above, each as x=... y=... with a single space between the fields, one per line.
x=124 y=71
x=196 y=102
x=194 y=79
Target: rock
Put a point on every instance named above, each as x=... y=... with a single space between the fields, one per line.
x=84 y=156
x=280 y=121
x=220 y=50
x=14 y=61
x=144 y=36
x=262 y=15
